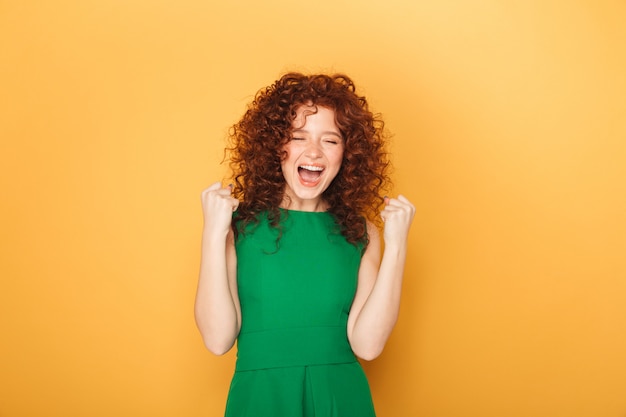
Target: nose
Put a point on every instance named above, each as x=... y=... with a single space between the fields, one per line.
x=313 y=150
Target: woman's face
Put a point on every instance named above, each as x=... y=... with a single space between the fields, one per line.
x=313 y=159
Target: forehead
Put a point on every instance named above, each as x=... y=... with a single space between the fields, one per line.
x=315 y=113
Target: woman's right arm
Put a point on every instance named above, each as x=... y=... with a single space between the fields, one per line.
x=217 y=309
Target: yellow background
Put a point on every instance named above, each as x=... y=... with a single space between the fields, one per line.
x=510 y=127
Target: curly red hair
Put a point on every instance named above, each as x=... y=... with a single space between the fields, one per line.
x=258 y=139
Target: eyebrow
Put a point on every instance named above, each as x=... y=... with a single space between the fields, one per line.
x=327 y=132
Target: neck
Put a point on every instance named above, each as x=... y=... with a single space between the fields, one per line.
x=304 y=205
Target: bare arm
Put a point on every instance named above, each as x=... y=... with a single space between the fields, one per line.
x=376 y=304
x=217 y=310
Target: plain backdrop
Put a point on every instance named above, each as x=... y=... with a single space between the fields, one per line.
x=509 y=124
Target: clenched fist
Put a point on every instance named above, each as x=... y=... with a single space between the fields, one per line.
x=218 y=206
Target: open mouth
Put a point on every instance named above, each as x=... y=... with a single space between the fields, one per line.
x=310 y=173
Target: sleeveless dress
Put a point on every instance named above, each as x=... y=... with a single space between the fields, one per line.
x=293 y=354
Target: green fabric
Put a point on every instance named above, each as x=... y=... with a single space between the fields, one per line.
x=293 y=354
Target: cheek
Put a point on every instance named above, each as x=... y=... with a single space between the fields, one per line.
x=338 y=158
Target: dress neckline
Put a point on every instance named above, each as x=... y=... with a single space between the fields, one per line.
x=290 y=211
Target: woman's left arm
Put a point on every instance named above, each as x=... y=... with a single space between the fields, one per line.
x=376 y=303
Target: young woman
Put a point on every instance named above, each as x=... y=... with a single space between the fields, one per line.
x=291 y=254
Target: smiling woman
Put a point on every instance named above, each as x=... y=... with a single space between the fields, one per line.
x=295 y=274
x=278 y=115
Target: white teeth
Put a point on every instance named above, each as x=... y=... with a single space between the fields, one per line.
x=311 y=168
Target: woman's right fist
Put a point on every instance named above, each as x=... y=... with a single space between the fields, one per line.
x=218 y=206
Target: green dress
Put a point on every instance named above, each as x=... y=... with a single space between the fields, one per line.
x=293 y=354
